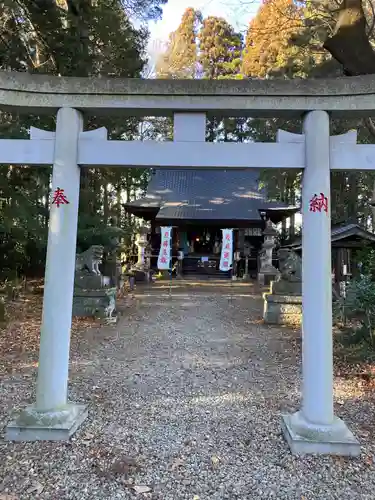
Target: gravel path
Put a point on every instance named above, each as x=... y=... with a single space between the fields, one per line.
x=185 y=396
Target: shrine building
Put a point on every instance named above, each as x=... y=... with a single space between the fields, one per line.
x=197 y=204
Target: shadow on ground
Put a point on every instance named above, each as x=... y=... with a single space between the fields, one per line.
x=185 y=397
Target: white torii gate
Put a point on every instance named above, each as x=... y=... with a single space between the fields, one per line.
x=313 y=429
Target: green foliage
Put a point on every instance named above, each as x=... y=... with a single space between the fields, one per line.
x=67 y=38
x=144 y=9
x=220 y=49
x=97 y=233
x=358 y=305
x=285 y=40
x=208 y=48
x=366 y=258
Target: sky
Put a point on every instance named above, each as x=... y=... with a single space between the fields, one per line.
x=237 y=12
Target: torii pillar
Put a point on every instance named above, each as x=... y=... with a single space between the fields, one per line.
x=52 y=417
x=315 y=428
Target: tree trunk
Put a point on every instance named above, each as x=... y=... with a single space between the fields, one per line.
x=349 y=44
x=373 y=208
x=105 y=202
x=119 y=205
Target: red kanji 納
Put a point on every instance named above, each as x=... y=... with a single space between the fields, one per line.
x=165 y=243
x=59 y=198
x=226 y=255
x=319 y=203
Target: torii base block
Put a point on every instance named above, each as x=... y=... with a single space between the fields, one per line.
x=56 y=425
x=304 y=438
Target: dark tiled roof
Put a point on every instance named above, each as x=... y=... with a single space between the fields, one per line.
x=207 y=194
x=339 y=233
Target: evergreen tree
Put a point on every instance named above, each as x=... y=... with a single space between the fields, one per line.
x=220 y=49
x=296 y=51
x=75 y=39
x=268 y=51
x=180 y=58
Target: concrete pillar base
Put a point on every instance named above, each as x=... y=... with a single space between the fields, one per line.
x=305 y=438
x=54 y=425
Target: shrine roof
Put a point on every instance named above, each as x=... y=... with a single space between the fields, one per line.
x=193 y=194
x=341 y=232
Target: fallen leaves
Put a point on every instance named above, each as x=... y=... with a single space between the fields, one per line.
x=178 y=462
x=141 y=488
x=125 y=466
x=87 y=439
x=19 y=337
x=35 y=488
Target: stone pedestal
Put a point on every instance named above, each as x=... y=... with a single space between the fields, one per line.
x=89 y=282
x=266 y=276
x=282 y=309
x=99 y=303
x=283 y=305
x=94 y=294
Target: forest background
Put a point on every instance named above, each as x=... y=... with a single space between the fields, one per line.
x=110 y=38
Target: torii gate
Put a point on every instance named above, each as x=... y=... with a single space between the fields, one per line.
x=313 y=429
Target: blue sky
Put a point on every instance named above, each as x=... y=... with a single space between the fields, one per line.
x=238 y=12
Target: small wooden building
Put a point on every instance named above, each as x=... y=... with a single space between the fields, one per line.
x=346 y=240
x=198 y=204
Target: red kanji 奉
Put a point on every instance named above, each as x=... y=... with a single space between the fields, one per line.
x=59 y=198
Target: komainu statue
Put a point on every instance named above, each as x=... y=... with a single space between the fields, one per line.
x=93 y=295
x=283 y=305
x=290 y=265
x=90 y=259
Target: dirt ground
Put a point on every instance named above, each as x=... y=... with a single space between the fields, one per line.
x=185 y=395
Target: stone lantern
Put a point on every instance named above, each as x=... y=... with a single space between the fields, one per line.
x=141 y=242
x=267 y=272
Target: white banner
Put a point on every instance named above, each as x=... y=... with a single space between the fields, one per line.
x=164 y=258
x=226 y=258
